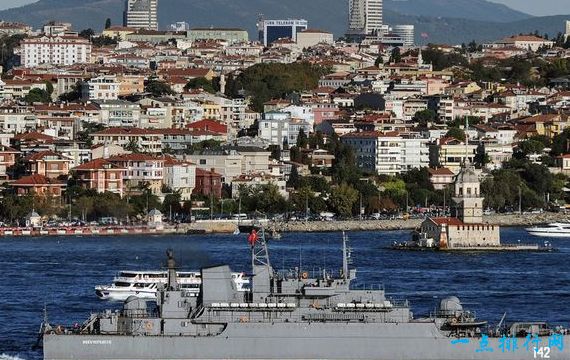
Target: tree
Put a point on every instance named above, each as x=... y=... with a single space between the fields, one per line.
x=88 y=128
x=49 y=88
x=87 y=33
x=379 y=61
x=8 y=58
x=264 y=82
x=395 y=56
x=294 y=178
x=73 y=95
x=395 y=189
x=440 y=60
x=302 y=140
x=171 y=204
x=456 y=133
x=100 y=41
x=84 y=206
x=107 y=23
x=530 y=146
x=424 y=117
x=481 y=157
x=133 y=146
x=158 y=88
x=37 y=95
x=200 y=83
x=316 y=140
x=472 y=46
x=343 y=198
x=561 y=143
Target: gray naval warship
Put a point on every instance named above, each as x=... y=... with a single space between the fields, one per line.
x=293 y=315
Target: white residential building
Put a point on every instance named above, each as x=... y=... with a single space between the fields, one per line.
x=100 y=88
x=301 y=112
x=525 y=42
x=2 y=84
x=312 y=37
x=17 y=120
x=259 y=179
x=146 y=141
x=229 y=165
x=180 y=177
x=388 y=153
x=119 y=113
x=278 y=128
x=446 y=109
x=414 y=152
x=55 y=50
x=141 y=170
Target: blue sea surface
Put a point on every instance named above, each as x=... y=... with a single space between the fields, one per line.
x=61 y=272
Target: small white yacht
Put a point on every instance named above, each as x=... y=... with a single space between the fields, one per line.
x=144 y=284
x=551 y=230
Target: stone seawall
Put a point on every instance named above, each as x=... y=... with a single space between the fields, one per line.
x=373 y=225
x=400 y=224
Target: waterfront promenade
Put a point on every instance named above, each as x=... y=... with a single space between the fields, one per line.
x=229 y=226
x=376 y=225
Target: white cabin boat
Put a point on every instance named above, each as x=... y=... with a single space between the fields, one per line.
x=144 y=284
x=551 y=230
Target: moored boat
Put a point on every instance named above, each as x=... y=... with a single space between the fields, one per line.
x=144 y=284
x=560 y=230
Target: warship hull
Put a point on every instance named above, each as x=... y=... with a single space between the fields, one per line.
x=314 y=340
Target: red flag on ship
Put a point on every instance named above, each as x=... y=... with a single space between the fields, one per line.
x=252 y=238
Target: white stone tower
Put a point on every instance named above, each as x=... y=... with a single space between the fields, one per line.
x=467 y=196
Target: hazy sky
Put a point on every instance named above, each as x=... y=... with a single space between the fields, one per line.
x=534 y=7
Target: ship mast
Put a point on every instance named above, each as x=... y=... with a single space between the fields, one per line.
x=345 y=257
x=259 y=252
x=171 y=265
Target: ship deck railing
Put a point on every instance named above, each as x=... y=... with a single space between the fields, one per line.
x=369 y=287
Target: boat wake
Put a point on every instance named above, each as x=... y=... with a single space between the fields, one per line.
x=10 y=357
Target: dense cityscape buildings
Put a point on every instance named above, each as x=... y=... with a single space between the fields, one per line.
x=204 y=114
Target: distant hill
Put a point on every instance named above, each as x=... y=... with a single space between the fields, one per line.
x=462 y=20
x=481 y=10
x=457 y=31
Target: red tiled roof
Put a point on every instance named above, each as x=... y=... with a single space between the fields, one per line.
x=202 y=172
x=209 y=125
x=188 y=72
x=97 y=164
x=370 y=134
x=123 y=131
x=447 y=140
x=523 y=38
x=42 y=154
x=7 y=149
x=134 y=157
x=36 y=179
x=34 y=135
x=440 y=171
x=447 y=220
